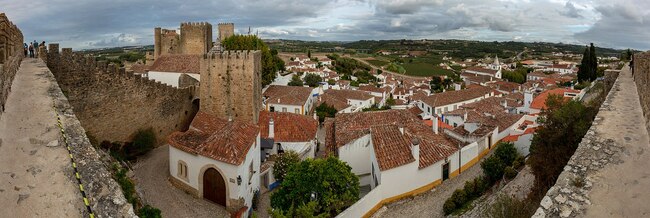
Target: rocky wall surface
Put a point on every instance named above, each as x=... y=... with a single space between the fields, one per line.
x=112 y=105
x=104 y=194
x=11 y=54
x=607 y=168
x=641 y=71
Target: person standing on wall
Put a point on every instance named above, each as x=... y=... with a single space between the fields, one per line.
x=31 y=49
x=25 y=48
x=35 y=49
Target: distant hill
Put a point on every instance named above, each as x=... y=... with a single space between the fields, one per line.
x=455 y=48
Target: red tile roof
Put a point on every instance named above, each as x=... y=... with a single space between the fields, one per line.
x=510 y=138
x=177 y=63
x=451 y=97
x=348 y=127
x=288 y=127
x=540 y=101
x=441 y=125
x=482 y=70
x=216 y=138
x=289 y=95
x=392 y=148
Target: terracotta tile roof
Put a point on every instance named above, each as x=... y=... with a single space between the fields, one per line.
x=216 y=138
x=392 y=148
x=510 y=138
x=139 y=68
x=415 y=110
x=371 y=88
x=477 y=78
x=348 y=94
x=178 y=63
x=348 y=127
x=481 y=70
x=289 y=95
x=441 y=125
x=288 y=127
x=451 y=97
x=505 y=86
x=540 y=101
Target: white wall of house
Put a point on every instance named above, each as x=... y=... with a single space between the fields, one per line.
x=428 y=110
x=357 y=155
x=304 y=149
x=197 y=163
x=169 y=78
x=296 y=109
x=454 y=120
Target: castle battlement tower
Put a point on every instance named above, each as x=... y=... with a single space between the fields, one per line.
x=231 y=84
x=226 y=30
x=196 y=38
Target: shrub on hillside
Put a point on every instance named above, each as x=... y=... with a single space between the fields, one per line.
x=506 y=152
x=144 y=141
x=149 y=212
x=459 y=197
x=449 y=206
x=510 y=172
x=493 y=168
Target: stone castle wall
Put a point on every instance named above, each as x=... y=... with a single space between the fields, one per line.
x=196 y=38
x=226 y=30
x=235 y=84
x=165 y=42
x=11 y=54
x=641 y=71
x=112 y=104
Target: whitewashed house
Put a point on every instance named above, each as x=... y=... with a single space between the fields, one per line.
x=347 y=101
x=168 y=69
x=440 y=103
x=293 y=99
x=218 y=160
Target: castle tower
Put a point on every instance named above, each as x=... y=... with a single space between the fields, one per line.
x=165 y=42
x=226 y=30
x=231 y=85
x=196 y=38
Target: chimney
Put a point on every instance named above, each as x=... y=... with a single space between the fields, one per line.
x=401 y=130
x=315 y=116
x=505 y=103
x=465 y=117
x=415 y=149
x=435 y=125
x=271 y=129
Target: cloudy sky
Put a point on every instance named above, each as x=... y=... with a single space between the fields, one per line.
x=99 y=23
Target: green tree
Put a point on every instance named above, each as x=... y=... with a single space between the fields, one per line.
x=283 y=162
x=312 y=80
x=593 y=74
x=295 y=81
x=493 y=168
x=436 y=84
x=143 y=141
x=328 y=182
x=271 y=63
x=303 y=211
x=584 y=68
x=309 y=53
x=506 y=152
x=563 y=124
x=331 y=82
x=324 y=110
x=149 y=212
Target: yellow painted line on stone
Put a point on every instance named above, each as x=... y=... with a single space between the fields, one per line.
x=86 y=201
x=81 y=187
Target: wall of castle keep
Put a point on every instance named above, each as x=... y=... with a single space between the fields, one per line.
x=641 y=70
x=226 y=30
x=234 y=88
x=112 y=104
x=165 y=42
x=196 y=38
x=11 y=54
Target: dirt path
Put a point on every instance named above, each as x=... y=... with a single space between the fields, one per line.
x=151 y=174
x=36 y=179
x=430 y=203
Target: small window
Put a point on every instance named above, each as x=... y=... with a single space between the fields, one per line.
x=284 y=109
x=272 y=109
x=297 y=111
x=182 y=170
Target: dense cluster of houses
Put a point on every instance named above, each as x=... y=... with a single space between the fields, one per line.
x=424 y=139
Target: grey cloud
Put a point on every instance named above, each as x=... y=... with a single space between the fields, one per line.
x=571 y=11
x=623 y=25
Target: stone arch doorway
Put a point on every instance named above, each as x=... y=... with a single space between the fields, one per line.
x=214 y=187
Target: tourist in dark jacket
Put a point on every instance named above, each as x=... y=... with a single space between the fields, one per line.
x=31 y=49
x=26 y=47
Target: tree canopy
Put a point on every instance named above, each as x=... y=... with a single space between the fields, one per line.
x=295 y=81
x=312 y=80
x=588 y=69
x=328 y=182
x=271 y=63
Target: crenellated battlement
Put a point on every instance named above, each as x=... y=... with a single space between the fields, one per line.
x=101 y=92
x=232 y=54
x=196 y=24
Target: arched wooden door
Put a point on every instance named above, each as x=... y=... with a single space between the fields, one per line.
x=214 y=187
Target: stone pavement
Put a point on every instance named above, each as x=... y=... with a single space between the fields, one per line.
x=36 y=174
x=429 y=204
x=608 y=175
x=151 y=175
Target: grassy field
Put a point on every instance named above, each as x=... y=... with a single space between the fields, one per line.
x=424 y=69
x=377 y=63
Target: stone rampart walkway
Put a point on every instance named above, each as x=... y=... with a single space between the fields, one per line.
x=36 y=177
x=609 y=175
